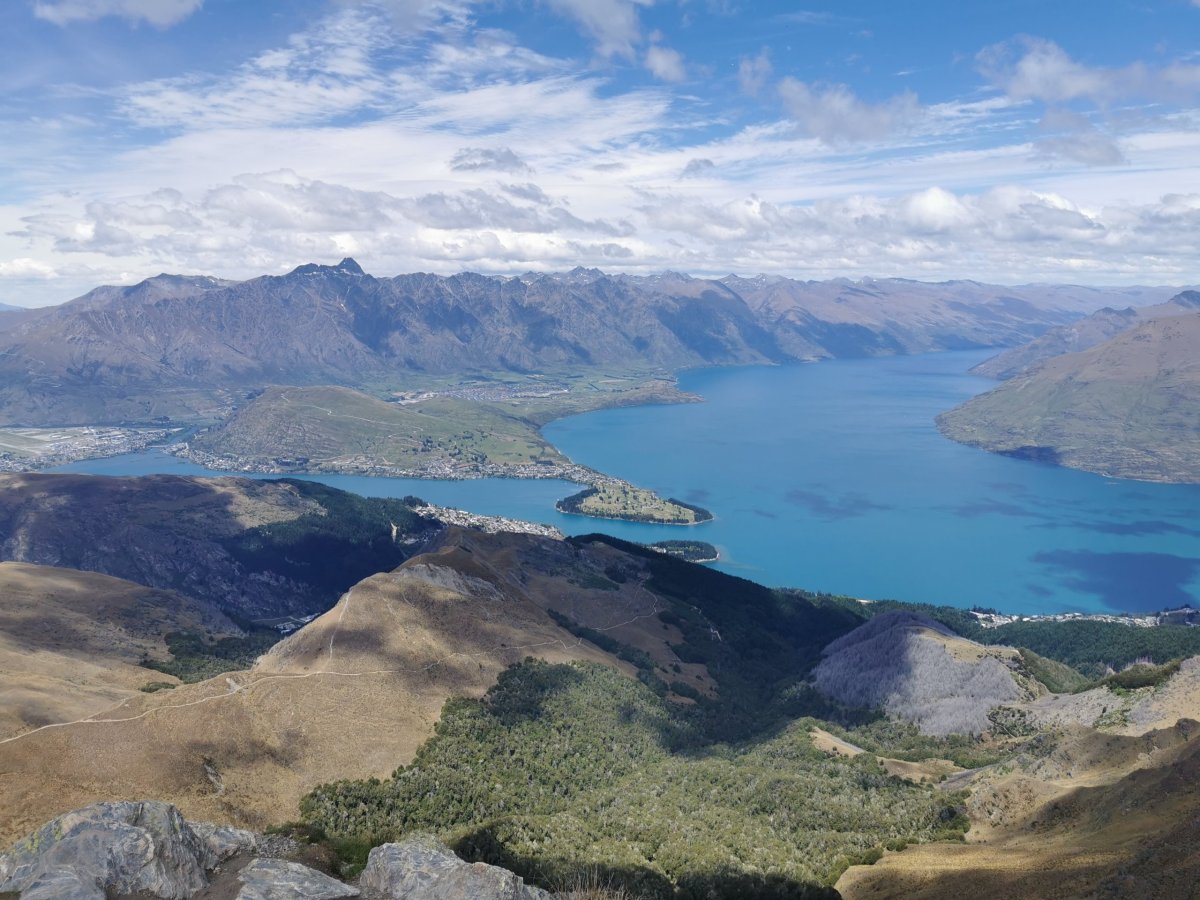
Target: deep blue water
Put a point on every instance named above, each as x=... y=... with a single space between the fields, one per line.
x=833 y=477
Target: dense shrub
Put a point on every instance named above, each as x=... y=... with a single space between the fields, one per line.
x=564 y=770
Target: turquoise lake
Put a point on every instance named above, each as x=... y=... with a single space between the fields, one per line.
x=833 y=477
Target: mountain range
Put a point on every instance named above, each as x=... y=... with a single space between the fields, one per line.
x=1083 y=335
x=187 y=347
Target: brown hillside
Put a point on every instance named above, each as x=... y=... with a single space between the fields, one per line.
x=70 y=641
x=1135 y=835
x=351 y=695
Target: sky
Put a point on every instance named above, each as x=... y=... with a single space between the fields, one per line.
x=1010 y=142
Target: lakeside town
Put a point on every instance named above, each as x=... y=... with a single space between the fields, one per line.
x=1185 y=615
x=23 y=449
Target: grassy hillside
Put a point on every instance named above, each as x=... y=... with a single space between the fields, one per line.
x=1129 y=407
x=337 y=428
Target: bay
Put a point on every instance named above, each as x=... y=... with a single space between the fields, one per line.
x=833 y=477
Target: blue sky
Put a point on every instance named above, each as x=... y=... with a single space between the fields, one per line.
x=1011 y=142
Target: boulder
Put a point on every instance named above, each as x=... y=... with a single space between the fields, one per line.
x=223 y=842
x=425 y=869
x=119 y=848
x=277 y=879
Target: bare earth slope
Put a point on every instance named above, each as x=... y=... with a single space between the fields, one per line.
x=71 y=642
x=914 y=668
x=1083 y=335
x=351 y=695
x=1129 y=407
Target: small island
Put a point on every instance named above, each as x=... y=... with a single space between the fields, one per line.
x=691 y=551
x=618 y=500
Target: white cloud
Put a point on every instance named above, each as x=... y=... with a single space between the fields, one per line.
x=498 y=159
x=24 y=267
x=1043 y=71
x=614 y=25
x=414 y=150
x=1073 y=137
x=753 y=72
x=1031 y=68
x=665 y=64
x=834 y=114
x=159 y=13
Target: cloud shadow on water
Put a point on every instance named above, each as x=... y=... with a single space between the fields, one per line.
x=975 y=509
x=1125 y=582
x=1139 y=529
x=834 y=508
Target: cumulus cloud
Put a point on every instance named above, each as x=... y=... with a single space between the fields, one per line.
x=499 y=159
x=279 y=218
x=159 y=13
x=1005 y=229
x=1031 y=68
x=834 y=114
x=665 y=64
x=753 y=72
x=24 y=267
x=1036 y=69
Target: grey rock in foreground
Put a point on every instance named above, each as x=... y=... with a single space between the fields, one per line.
x=120 y=848
x=277 y=879
x=425 y=869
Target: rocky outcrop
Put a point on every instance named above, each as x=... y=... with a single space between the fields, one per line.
x=278 y=879
x=149 y=850
x=425 y=869
x=118 y=848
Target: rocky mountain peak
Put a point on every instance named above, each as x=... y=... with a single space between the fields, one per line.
x=346 y=267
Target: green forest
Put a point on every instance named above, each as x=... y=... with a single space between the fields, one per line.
x=563 y=769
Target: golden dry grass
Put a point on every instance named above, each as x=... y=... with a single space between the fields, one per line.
x=352 y=695
x=70 y=641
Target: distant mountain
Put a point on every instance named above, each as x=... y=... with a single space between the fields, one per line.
x=187 y=347
x=4 y=307
x=1129 y=407
x=1082 y=335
